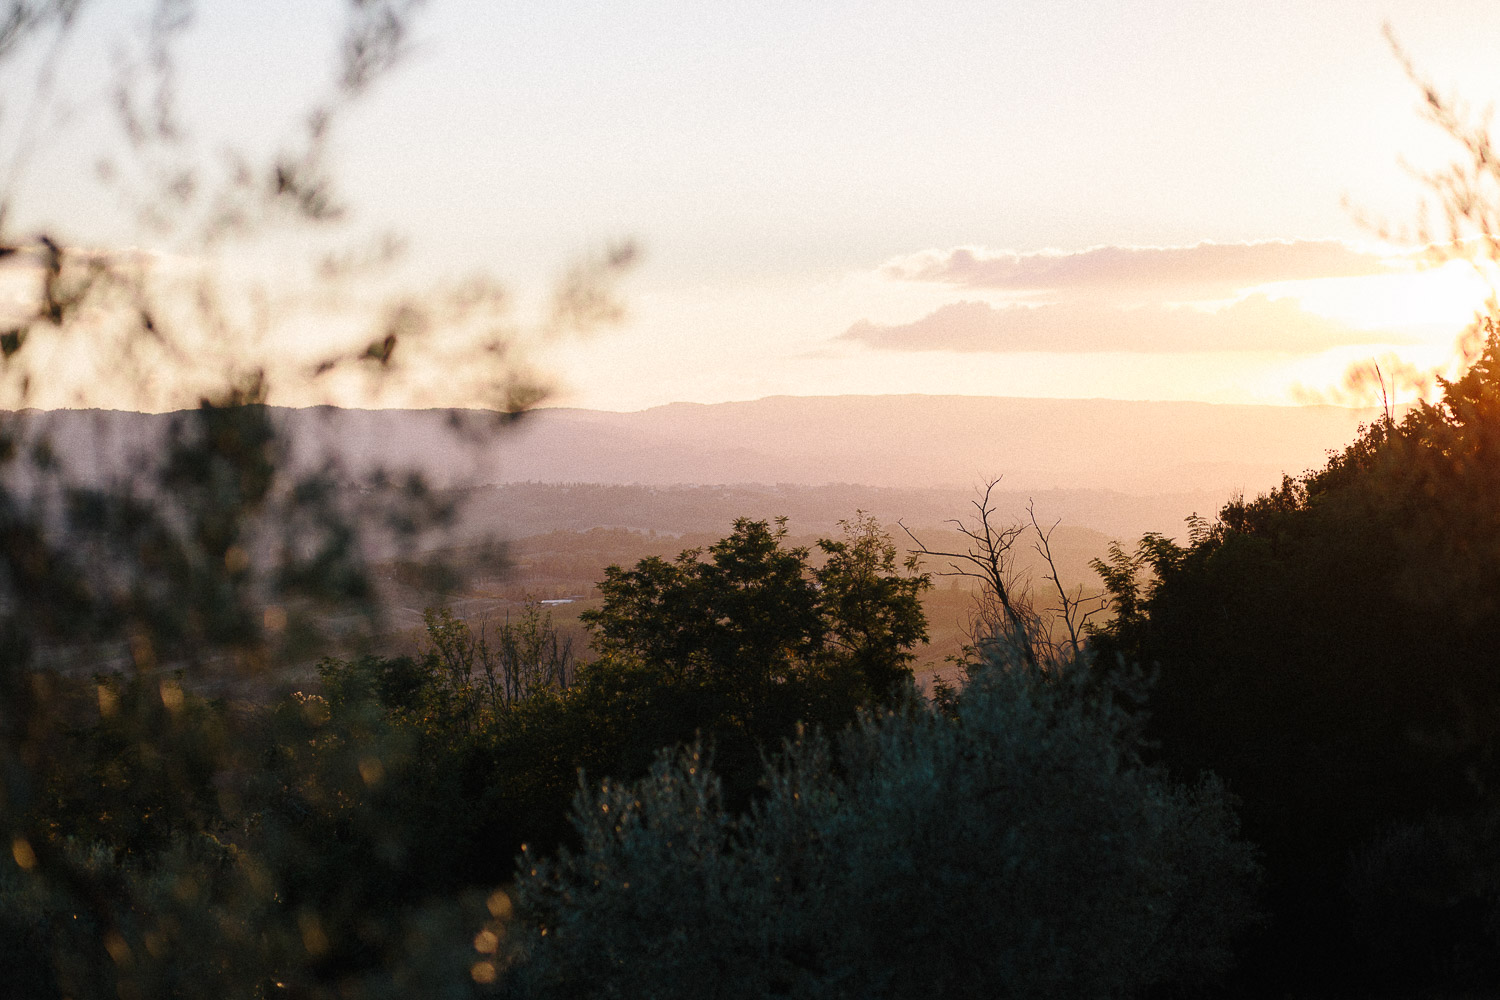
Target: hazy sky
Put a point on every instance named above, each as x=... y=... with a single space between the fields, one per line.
x=1132 y=199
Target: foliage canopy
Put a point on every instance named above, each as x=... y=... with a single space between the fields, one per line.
x=743 y=642
x=1017 y=849
x=1328 y=647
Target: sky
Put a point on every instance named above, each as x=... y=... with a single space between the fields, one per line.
x=1137 y=200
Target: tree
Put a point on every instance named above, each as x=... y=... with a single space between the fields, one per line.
x=1020 y=849
x=872 y=611
x=744 y=619
x=1328 y=649
x=210 y=552
x=744 y=644
x=1006 y=611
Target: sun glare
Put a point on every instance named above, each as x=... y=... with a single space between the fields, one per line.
x=1430 y=305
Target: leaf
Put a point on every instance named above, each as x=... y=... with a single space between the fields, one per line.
x=381 y=350
x=12 y=341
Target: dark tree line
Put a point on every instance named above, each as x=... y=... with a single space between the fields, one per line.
x=1328 y=648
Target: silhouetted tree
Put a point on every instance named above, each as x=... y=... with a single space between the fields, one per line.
x=1328 y=648
x=743 y=642
x=1007 y=609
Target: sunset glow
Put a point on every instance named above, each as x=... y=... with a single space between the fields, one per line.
x=1010 y=200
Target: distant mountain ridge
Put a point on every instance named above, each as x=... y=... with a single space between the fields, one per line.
x=885 y=441
x=1119 y=468
x=905 y=441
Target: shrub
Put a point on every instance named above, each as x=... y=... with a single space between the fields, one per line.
x=1018 y=849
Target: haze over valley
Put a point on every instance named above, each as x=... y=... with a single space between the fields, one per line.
x=567 y=492
x=1121 y=467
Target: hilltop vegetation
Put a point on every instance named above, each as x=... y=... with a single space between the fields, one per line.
x=1328 y=649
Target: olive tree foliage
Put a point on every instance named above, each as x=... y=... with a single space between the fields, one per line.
x=205 y=559
x=1018 y=848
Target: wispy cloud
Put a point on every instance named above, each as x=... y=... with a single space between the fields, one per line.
x=1254 y=323
x=1203 y=270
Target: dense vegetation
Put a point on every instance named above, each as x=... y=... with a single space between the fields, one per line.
x=1323 y=651
x=1328 y=649
x=1015 y=848
x=333 y=826
x=340 y=842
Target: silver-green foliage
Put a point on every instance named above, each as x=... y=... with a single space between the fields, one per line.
x=1017 y=849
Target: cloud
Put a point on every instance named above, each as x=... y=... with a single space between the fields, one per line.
x=1254 y=323
x=1204 y=270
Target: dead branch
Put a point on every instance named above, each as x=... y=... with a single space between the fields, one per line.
x=1005 y=611
x=989 y=560
x=1070 y=607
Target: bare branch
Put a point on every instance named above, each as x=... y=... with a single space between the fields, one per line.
x=1069 y=606
x=1003 y=613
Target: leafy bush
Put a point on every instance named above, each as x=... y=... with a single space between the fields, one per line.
x=1020 y=849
